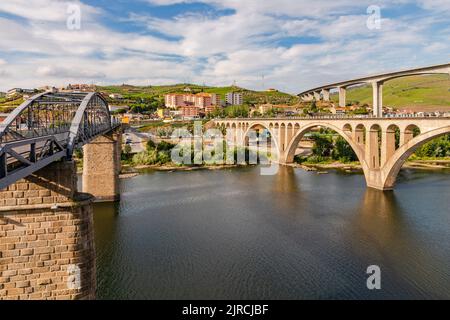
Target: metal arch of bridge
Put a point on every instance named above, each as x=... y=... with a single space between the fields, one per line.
x=48 y=127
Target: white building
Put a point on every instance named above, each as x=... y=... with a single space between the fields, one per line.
x=16 y=91
x=115 y=96
x=234 y=98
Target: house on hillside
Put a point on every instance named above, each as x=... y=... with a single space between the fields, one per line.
x=3 y=116
x=116 y=96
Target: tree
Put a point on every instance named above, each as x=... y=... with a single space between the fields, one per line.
x=313 y=107
x=165 y=146
x=343 y=151
x=127 y=150
x=323 y=145
x=150 y=145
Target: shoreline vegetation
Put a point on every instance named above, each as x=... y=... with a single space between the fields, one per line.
x=328 y=152
x=157 y=157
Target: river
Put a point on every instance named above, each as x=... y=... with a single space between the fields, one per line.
x=235 y=234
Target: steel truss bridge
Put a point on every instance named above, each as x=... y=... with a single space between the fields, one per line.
x=49 y=127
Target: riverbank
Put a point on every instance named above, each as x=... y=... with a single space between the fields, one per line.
x=129 y=169
x=356 y=166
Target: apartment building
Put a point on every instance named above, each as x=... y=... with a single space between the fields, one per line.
x=234 y=98
x=200 y=100
x=190 y=112
x=174 y=100
x=19 y=91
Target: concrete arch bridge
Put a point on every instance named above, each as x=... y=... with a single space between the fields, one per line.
x=372 y=139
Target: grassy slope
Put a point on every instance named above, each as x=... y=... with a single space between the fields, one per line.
x=131 y=92
x=415 y=92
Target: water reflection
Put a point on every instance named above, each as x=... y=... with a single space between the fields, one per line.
x=234 y=234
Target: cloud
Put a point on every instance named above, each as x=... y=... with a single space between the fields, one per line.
x=51 y=71
x=294 y=44
x=46 y=10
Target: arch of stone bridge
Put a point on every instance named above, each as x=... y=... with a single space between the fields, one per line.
x=292 y=145
x=270 y=128
x=394 y=164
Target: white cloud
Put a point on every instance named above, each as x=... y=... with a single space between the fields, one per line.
x=332 y=43
x=46 y=10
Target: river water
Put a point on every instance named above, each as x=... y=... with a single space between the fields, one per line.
x=235 y=234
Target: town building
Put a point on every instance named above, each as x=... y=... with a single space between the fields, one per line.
x=190 y=112
x=162 y=113
x=264 y=108
x=18 y=91
x=115 y=96
x=117 y=108
x=174 y=100
x=200 y=100
x=3 y=116
x=81 y=87
x=234 y=98
x=48 y=89
x=210 y=109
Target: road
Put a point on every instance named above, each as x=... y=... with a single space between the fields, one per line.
x=137 y=140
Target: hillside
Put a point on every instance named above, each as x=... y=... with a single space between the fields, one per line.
x=151 y=92
x=7 y=105
x=417 y=93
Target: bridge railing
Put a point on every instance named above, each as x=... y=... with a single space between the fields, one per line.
x=339 y=117
x=43 y=128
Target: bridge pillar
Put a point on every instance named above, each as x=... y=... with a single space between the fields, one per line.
x=406 y=136
x=387 y=145
x=289 y=134
x=46 y=237
x=377 y=105
x=101 y=167
x=282 y=139
x=359 y=135
x=342 y=96
x=326 y=94
x=317 y=95
x=372 y=149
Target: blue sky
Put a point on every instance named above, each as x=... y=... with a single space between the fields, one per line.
x=287 y=44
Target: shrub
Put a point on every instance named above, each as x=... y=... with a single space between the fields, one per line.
x=148 y=157
x=163 y=157
x=151 y=145
x=165 y=146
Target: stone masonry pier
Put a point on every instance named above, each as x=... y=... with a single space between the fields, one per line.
x=46 y=237
x=101 y=167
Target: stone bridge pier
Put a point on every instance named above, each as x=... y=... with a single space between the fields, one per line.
x=46 y=237
x=101 y=166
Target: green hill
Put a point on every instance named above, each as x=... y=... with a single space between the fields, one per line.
x=418 y=93
x=135 y=93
